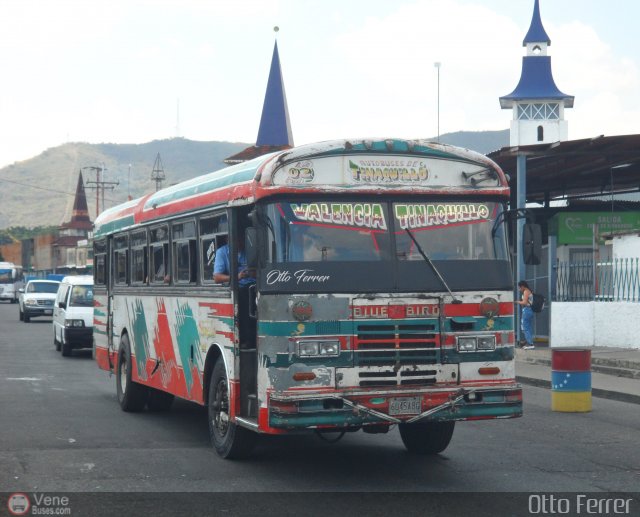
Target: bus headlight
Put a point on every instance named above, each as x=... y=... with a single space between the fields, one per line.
x=466 y=344
x=74 y=323
x=486 y=342
x=318 y=348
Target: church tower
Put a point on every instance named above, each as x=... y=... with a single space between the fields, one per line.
x=537 y=103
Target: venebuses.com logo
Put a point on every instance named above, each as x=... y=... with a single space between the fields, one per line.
x=20 y=503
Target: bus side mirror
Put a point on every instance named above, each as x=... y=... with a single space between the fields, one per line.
x=532 y=244
x=251 y=246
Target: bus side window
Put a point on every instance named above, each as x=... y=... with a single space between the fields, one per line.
x=100 y=260
x=213 y=234
x=159 y=255
x=139 y=257
x=159 y=247
x=184 y=252
x=120 y=259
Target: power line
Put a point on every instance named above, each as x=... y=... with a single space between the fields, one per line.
x=39 y=188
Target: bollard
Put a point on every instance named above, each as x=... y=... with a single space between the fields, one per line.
x=571 y=380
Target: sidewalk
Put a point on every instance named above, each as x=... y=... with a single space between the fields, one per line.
x=615 y=372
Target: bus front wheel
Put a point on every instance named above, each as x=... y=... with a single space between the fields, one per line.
x=229 y=440
x=131 y=395
x=426 y=437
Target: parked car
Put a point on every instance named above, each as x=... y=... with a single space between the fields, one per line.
x=36 y=299
x=73 y=314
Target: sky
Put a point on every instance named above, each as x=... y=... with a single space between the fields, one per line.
x=132 y=71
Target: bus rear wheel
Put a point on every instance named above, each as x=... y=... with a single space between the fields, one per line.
x=426 y=437
x=131 y=395
x=229 y=440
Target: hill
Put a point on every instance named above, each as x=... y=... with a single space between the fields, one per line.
x=39 y=191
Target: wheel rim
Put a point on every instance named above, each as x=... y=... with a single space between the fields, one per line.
x=123 y=374
x=220 y=408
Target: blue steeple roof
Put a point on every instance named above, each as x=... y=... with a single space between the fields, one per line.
x=536 y=83
x=536 y=33
x=275 y=127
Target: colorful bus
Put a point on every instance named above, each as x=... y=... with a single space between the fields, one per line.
x=369 y=285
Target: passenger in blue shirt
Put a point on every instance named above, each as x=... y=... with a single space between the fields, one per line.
x=222 y=266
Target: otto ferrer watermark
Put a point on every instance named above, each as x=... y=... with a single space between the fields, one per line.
x=579 y=504
x=20 y=503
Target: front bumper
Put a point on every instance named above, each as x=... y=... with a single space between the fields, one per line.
x=80 y=337
x=355 y=409
x=32 y=312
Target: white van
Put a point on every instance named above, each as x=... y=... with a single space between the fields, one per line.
x=73 y=314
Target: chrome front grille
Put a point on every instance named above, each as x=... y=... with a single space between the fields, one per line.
x=396 y=354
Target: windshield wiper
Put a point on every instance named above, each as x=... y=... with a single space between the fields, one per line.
x=432 y=265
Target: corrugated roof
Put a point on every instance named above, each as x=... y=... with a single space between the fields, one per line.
x=576 y=167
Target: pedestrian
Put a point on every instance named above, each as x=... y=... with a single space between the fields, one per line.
x=526 y=316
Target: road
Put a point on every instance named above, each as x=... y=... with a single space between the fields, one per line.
x=62 y=430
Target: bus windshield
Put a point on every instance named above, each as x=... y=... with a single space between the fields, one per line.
x=328 y=231
x=6 y=276
x=343 y=231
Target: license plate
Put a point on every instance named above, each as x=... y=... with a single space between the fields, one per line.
x=405 y=406
x=48 y=312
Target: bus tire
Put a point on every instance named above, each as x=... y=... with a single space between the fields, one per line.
x=131 y=395
x=426 y=437
x=229 y=440
x=159 y=400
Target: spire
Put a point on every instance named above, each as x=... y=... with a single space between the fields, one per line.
x=536 y=33
x=275 y=127
x=80 y=214
x=274 y=133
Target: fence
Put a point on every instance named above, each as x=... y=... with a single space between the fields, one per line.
x=613 y=280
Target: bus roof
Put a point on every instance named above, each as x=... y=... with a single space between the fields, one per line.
x=362 y=166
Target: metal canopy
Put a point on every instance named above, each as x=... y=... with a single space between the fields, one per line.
x=599 y=165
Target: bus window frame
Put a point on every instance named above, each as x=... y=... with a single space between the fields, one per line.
x=136 y=247
x=220 y=238
x=163 y=244
x=100 y=252
x=118 y=259
x=190 y=242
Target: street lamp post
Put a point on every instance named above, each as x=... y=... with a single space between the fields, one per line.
x=437 y=65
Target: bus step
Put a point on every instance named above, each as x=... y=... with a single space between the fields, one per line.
x=252 y=405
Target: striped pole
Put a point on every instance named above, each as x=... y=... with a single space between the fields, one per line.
x=571 y=380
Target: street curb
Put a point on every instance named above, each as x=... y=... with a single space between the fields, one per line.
x=607 y=369
x=596 y=392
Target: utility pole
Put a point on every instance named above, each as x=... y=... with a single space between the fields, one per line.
x=437 y=64
x=100 y=185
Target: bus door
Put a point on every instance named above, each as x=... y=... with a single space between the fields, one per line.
x=245 y=301
x=110 y=284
